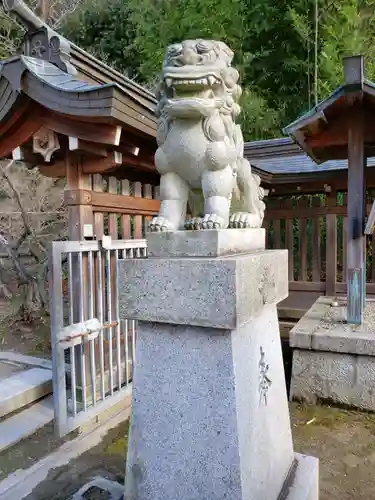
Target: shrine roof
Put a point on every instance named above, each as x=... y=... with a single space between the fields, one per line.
x=284 y=156
x=283 y=164
x=54 y=89
x=140 y=103
x=322 y=132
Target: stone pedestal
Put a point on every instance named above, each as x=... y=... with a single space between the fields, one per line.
x=210 y=416
x=334 y=361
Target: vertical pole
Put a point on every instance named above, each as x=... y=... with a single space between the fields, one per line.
x=331 y=246
x=356 y=282
x=78 y=217
x=364 y=236
x=356 y=242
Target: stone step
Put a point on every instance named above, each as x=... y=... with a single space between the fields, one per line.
x=22 y=425
x=23 y=388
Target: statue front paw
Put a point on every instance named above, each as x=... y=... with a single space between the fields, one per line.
x=243 y=220
x=209 y=221
x=213 y=221
x=160 y=224
x=193 y=224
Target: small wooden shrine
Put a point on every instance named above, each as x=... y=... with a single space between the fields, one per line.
x=342 y=126
x=73 y=121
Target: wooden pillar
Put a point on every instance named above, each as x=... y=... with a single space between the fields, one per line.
x=80 y=222
x=80 y=217
x=356 y=242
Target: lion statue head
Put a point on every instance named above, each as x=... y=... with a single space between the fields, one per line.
x=197 y=79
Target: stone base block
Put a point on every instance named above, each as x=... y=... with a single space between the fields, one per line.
x=210 y=419
x=304 y=484
x=346 y=379
x=332 y=360
x=214 y=243
x=222 y=292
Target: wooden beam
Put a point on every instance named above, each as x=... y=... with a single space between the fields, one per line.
x=139 y=162
x=307 y=213
x=107 y=202
x=98 y=133
x=21 y=131
x=76 y=144
x=334 y=135
x=337 y=133
x=88 y=166
x=16 y=115
x=307 y=286
x=55 y=171
x=102 y=165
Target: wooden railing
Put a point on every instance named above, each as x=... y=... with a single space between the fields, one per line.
x=313 y=228
x=119 y=208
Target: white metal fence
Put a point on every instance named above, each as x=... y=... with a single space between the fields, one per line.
x=93 y=348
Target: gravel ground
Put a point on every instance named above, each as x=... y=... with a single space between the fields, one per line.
x=343 y=440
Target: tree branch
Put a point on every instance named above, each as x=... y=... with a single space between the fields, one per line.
x=28 y=229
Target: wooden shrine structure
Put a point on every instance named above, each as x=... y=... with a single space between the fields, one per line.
x=74 y=117
x=342 y=127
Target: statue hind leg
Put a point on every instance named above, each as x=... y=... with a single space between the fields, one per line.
x=173 y=201
x=250 y=211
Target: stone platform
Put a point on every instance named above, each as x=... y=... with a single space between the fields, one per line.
x=334 y=361
x=210 y=417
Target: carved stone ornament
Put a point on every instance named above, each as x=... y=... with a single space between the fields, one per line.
x=200 y=155
x=45 y=142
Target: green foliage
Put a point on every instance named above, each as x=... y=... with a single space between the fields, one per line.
x=160 y=23
x=347 y=30
x=10 y=35
x=274 y=44
x=106 y=29
x=258 y=120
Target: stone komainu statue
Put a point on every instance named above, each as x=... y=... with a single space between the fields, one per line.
x=200 y=155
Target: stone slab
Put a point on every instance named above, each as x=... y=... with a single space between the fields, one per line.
x=16 y=357
x=208 y=243
x=305 y=483
x=324 y=328
x=23 y=388
x=346 y=379
x=222 y=292
x=25 y=423
x=203 y=425
x=9 y=368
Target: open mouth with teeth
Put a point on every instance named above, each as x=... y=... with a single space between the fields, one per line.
x=185 y=88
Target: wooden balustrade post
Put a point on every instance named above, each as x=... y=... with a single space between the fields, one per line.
x=289 y=240
x=316 y=239
x=331 y=246
x=302 y=242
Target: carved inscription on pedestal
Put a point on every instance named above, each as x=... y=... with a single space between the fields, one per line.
x=264 y=379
